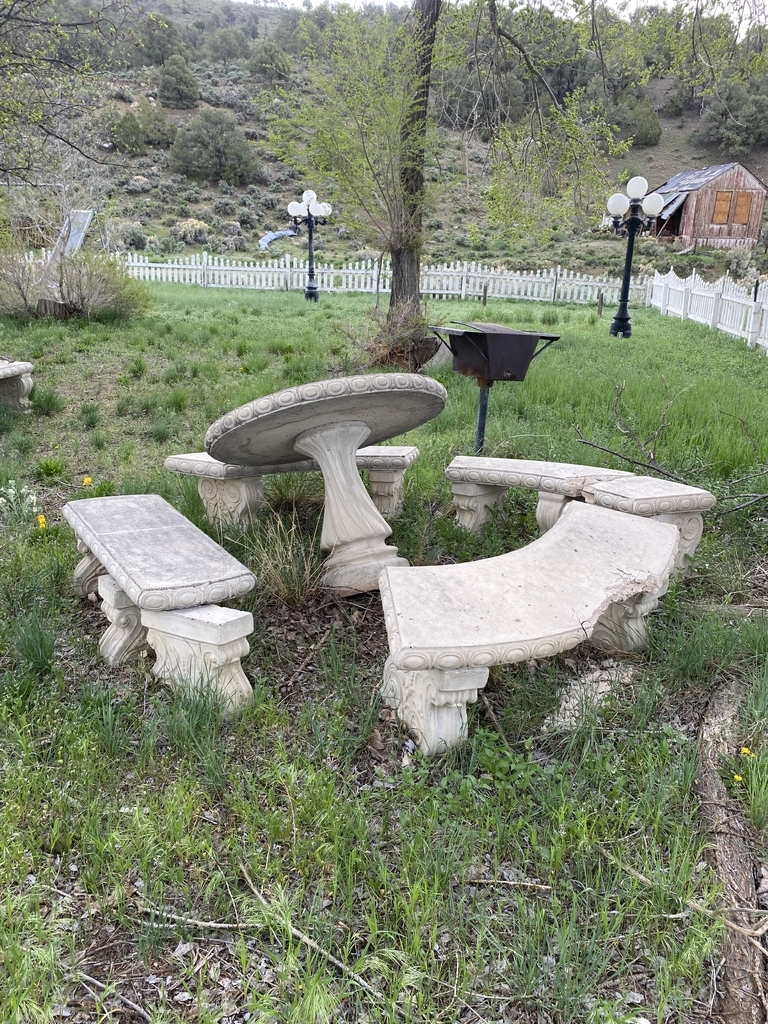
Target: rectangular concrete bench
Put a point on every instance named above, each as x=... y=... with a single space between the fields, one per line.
x=231 y=493
x=161 y=580
x=480 y=483
x=593 y=576
x=15 y=384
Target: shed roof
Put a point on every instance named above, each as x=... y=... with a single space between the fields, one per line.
x=690 y=181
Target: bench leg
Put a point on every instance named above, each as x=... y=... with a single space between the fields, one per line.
x=229 y=501
x=202 y=646
x=125 y=637
x=549 y=509
x=473 y=502
x=386 y=487
x=87 y=571
x=690 y=526
x=14 y=392
x=621 y=628
x=433 y=702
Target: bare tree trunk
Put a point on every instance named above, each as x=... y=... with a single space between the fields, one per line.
x=406 y=248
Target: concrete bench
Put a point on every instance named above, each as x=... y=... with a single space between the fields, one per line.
x=15 y=384
x=161 y=580
x=593 y=576
x=479 y=483
x=231 y=493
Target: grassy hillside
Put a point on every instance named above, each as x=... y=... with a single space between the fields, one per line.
x=457 y=226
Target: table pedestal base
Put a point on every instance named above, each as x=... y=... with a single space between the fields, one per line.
x=353 y=529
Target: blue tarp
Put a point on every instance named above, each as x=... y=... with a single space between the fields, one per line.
x=272 y=235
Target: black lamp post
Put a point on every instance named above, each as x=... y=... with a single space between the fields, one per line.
x=311 y=213
x=635 y=200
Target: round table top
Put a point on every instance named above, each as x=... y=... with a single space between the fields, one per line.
x=264 y=431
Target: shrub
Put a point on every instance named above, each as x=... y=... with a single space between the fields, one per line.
x=191 y=231
x=178 y=86
x=128 y=136
x=224 y=207
x=19 y=279
x=98 y=286
x=138 y=184
x=156 y=129
x=130 y=235
x=212 y=146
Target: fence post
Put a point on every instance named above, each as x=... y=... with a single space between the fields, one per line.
x=204 y=270
x=664 y=296
x=754 y=323
x=686 y=299
x=554 y=287
x=464 y=280
x=716 y=300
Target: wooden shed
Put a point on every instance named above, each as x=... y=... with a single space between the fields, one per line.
x=720 y=206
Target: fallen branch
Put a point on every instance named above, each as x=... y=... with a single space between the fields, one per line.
x=81 y=978
x=653 y=467
x=276 y=920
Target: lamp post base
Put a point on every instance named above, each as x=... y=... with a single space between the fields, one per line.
x=312 y=292
x=621 y=325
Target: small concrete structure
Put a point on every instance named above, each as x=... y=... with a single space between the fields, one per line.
x=160 y=580
x=479 y=483
x=15 y=384
x=328 y=421
x=594 y=575
x=232 y=493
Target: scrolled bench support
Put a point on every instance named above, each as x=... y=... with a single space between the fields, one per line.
x=231 y=501
x=621 y=629
x=15 y=385
x=549 y=509
x=474 y=502
x=202 y=646
x=87 y=571
x=125 y=637
x=433 y=702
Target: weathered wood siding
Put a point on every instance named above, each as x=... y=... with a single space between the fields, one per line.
x=697 y=222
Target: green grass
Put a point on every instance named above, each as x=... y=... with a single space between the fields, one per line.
x=529 y=875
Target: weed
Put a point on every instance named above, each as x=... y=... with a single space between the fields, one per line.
x=160 y=430
x=45 y=401
x=50 y=469
x=137 y=368
x=90 y=414
x=18 y=505
x=34 y=638
x=8 y=420
x=286 y=562
x=178 y=400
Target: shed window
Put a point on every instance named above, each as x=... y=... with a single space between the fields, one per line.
x=722 y=207
x=743 y=204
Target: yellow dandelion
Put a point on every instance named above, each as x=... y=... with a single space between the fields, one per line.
x=41 y=521
x=87 y=481
x=747 y=752
x=738 y=778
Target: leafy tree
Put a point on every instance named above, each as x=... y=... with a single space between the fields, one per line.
x=158 y=39
x=228 y=44
x=365 y=139
x=178 y=86
x=128 y=136
x=736 y=119
x=211 y=147
x=269 y=61
x=49 y=57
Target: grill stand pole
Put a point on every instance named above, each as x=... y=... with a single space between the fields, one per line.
x=482 y=412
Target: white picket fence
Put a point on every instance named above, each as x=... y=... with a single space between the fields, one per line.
x=725 y=305
x=457 y=280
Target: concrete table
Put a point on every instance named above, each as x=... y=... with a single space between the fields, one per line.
x=328 y=421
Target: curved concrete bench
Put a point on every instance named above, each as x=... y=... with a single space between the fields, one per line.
x=160 y=580
x=231 y=493
x=479 y=483
x=15 y=384
x=594 y=575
